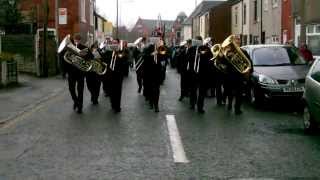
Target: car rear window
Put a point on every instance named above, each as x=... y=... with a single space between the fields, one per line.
x=276 y=56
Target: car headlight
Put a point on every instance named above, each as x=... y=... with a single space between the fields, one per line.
x=266 y=80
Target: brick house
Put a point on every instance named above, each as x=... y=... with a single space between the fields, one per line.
x=78 y=14
x=64 y=17
x=145 y=27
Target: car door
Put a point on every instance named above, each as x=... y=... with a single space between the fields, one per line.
x=313 y=90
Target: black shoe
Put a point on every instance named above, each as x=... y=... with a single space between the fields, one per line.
x=156 y=109
x=229 y=107
x=180 y=98
x=201 y=111
x=238 y=112
x=117 y=110
x=79 y=111
x=139 y=90
x=75 y=106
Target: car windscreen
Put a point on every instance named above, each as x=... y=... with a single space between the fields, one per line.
x=276 y=56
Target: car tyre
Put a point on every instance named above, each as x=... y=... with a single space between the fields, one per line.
x=308 y=121
x=256 y=97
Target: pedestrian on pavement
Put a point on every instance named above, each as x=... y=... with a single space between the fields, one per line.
x=76 y=78
x=306 y=53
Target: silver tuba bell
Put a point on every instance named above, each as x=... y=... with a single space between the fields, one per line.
x=73 y=55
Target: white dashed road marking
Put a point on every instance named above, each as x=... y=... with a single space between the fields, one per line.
x=179 y=155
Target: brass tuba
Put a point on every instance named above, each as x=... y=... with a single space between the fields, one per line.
x=232 y=53
x=73 y=55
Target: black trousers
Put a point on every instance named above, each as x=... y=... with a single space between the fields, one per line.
x=105 y=79
x=198 y=92
x=234 y=89
x=76 y=86
x=154 y=96
x=116 y=91
x=93 y=83
x=184 y=87
x=139 y=80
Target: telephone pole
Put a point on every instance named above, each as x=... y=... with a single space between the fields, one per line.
x=45 y=33
x=117 y=28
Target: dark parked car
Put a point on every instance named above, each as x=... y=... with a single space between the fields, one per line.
x=312 y=97
x=279 y=71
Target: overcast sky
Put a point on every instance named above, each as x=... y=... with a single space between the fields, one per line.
x=130 y=10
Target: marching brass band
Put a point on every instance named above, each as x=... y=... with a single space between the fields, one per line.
x=222 y=68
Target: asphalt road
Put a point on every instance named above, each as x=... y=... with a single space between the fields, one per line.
x=50 y=141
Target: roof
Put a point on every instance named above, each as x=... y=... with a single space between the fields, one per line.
x=205 y=6
x=187 y=21
x=99 y=16
x=151 y=23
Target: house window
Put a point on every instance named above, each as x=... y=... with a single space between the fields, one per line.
x=255 y=10
x=244 y=14
x=83 y=10
x=310 y=29
x=318 y=29
x=275 y=3
x=265 y=5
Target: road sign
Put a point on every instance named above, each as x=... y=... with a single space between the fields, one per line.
x=63 y=15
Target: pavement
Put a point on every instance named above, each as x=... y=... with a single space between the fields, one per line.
x=30 y=92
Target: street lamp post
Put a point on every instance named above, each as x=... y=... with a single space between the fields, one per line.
x=117 y=28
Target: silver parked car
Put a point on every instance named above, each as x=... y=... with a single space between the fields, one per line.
x=312 y=97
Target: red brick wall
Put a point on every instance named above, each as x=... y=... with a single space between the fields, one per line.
x=73 y=19
x=286 y=20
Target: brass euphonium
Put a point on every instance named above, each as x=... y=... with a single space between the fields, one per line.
x=232 y=53
x=73 y=55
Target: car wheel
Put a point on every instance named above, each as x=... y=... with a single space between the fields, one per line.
x=308 y=122
x=256 y=97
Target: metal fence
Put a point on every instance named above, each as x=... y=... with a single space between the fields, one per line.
x=12 y=72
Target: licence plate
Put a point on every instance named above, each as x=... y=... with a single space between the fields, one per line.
x=293 y=89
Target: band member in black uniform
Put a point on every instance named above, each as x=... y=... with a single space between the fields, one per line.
x=163 y=60
x=182 y=69
x=106 y=58
x=117 y=70
x=198 y=67
x=152 y=77
x=138 y=56
x=76 y=78
x=235 y=83
x=93 y=79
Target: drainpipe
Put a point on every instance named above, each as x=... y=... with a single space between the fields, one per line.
x=302 y=22
x=261 y=29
